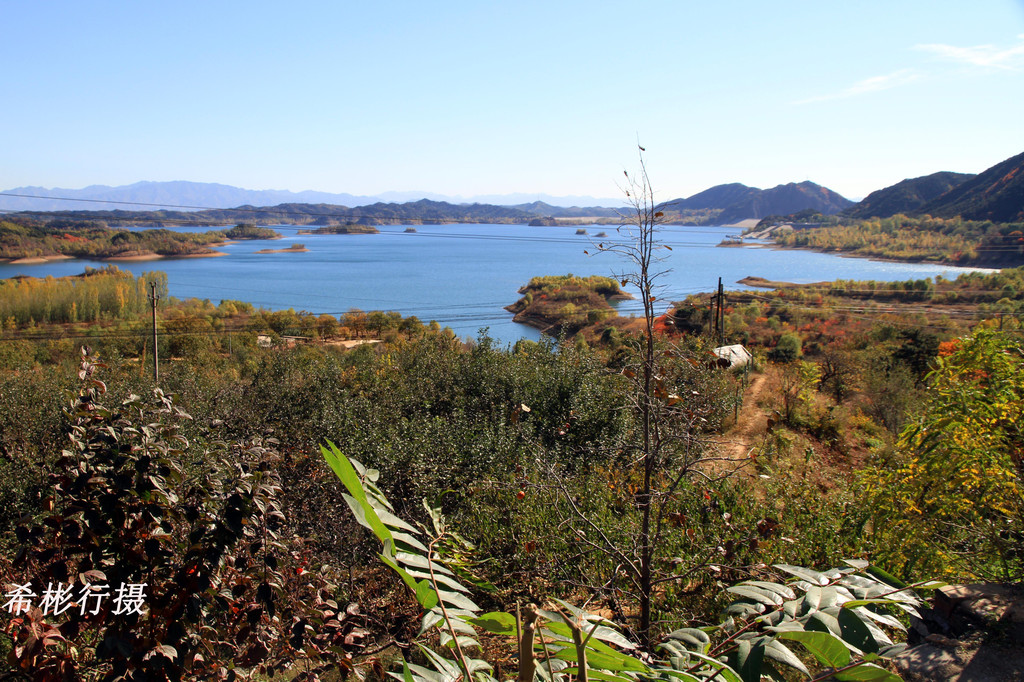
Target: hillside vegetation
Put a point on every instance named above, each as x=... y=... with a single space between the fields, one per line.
x=952 y=240
x=92 y=239
x=516 y=450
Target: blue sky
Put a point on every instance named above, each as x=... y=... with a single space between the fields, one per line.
x=467 y=98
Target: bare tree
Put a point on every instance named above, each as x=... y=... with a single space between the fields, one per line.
x=671 y=443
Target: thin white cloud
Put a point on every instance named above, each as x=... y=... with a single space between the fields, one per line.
x=985 y=56
x=868 y=85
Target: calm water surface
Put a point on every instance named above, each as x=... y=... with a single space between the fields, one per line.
x=463 y=275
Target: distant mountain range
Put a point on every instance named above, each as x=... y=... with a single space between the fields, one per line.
x=183 y=195
x=997 y=194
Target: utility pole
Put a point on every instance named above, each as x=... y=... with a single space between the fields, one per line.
x=721 y=314
x=153 y=298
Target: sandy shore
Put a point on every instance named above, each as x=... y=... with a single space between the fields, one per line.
x=35 y=260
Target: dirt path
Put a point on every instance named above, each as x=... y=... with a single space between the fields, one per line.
x=750 y=424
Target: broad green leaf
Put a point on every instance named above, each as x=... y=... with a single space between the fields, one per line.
x=698 y=639
x=606 y=634
x=756 y=594
x=823 y=622
x=344 y=471
x=824 y=646
x=721 y=669
x=784 y=591
x=678 y=675
x=440 y=578
x=886 y=577
x=496 y=622
x=395 y=522
x=598 y=675
x=426 y=595
x=892 y=650
x=881 y=638
x=879 y=617
x=855 y=632
x=603 y=661
x=745 y=609
x=673 y=648
x=430 y=619
x=464 y=641
x=867 y=673
x=778 y=652
x=854 y=603
x=418 y=561
x=811 y=601
x=408 y=540
x=427 y=675
x=409 y=581
x=813 y=577
x=829 y=597
x=749 y=655
x=458 y=600
x=367 y=518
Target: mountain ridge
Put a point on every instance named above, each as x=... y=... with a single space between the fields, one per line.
x=995 y=194
x=907 y=196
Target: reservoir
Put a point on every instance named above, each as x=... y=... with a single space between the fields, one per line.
x=463 y=275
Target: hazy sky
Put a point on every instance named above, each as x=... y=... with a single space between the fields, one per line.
x=495 y=97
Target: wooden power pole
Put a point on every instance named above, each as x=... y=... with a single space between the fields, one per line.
x=153 y=298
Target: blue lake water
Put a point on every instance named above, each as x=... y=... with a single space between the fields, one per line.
x=463 y=275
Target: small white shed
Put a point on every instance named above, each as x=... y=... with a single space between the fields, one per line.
x=736 y=354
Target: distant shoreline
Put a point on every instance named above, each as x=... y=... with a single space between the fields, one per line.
x=139 y=257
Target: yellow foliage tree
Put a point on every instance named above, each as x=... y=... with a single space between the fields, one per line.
x=953 y=504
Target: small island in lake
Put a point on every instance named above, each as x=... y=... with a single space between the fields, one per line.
x=566 y=302
x=294 y=248
x=351 y=228
x=250 y=231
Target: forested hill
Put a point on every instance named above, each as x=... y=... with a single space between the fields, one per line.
x=907 y=196
x=997 y=194
x=719 y=196
x=788 y=198
x=733 y=202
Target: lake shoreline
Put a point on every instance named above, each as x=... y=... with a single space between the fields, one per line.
x=880 y=259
